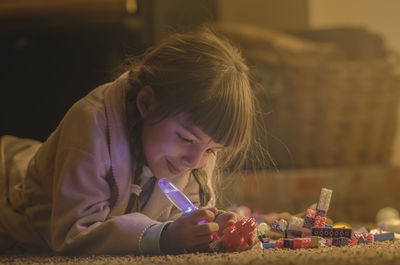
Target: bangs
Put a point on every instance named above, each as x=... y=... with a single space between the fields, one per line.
x=225 y=114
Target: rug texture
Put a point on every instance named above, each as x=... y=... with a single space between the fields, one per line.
x=382 y=253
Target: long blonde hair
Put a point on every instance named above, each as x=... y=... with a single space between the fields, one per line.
x=204 y=76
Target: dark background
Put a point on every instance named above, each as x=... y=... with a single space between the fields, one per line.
x=53 y=53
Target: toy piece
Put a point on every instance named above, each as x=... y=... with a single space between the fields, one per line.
x=340 y=241
x=384 y=236
x=319 y=221
x=237 y=234
x=262 y=230
x=369 y=238
x=176 y=196
x=296 y=223
x=288 y=243
x=328 y=242
x=296 y=227
x=268 y=245
x=309 y=219
x=302 y=243
x=317 y=242
x=323 y=203
x=279 y=226
x=341 y=225
x=353 y=242
x=279 y=243
x=328 y=232
x=364 y=237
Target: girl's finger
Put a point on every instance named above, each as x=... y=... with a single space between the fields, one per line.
x=213 y=209
x=206 y=229
x=201 y=215
x=205 y=239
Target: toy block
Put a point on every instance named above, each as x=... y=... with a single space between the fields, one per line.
x=346 y=241
x=319 y=221
x=353 y=242
x=297 y=243
x=283 y=224
x=302 y=243
x=328 y=242
x=310 y=213
x=336 y=232
x=262 y=229
x=317 y=231
x=279 y=243
x=327 y=232
x=307 y=242
x=306 y=234
x=359 y=236
x=369 y=238
x=347 y=232
x=384 y=236
x=294 y=233
x=268 y=245
x=308 y=222
x=287 y=243
x=321 y=213
x=295 y=222
x=278 y=226
x=341 y=241
x=324 y=199
x=317 y=242
x=336 y=241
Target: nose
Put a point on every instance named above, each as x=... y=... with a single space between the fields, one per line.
x=194 y=158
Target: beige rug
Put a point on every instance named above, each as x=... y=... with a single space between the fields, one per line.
x=380 y=253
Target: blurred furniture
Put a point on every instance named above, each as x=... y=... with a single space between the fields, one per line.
x=328 y=105
x=358 y=191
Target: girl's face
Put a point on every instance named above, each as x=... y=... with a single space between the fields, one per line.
x=173 y=146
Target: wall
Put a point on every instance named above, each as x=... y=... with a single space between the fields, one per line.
x=283 y=14
x=381 y=17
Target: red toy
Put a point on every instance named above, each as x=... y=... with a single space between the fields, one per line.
x=237 y=234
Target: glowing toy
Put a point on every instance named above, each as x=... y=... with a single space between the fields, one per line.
x=176 y=196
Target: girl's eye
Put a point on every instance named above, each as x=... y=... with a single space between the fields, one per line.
x=210 y=151
x=183 y=139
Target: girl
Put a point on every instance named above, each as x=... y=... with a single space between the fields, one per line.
x=182 y=111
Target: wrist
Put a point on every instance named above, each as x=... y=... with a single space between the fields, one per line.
x=164 y=246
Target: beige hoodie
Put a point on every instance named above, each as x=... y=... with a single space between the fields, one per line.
x=68 y=194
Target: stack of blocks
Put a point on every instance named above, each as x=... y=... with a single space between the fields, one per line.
x=312 y=231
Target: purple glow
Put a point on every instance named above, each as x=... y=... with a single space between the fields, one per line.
x=176 y=196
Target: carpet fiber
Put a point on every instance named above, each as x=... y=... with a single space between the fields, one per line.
x=382 y=253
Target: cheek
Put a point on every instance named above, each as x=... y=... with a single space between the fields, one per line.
x=157 y=143
x=204 y=160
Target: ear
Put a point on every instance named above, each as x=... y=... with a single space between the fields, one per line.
x=145 y=101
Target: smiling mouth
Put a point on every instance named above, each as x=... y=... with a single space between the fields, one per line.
x=172 y=168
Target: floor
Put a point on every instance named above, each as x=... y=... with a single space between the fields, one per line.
x=381 y=253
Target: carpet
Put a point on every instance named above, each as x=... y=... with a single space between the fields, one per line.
x=382 y=253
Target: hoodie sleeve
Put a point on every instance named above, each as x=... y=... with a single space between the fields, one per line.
x=73 y=202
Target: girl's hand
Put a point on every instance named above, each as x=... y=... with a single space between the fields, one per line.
x=226 y=219
x=185 y=234
x=229 y=218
